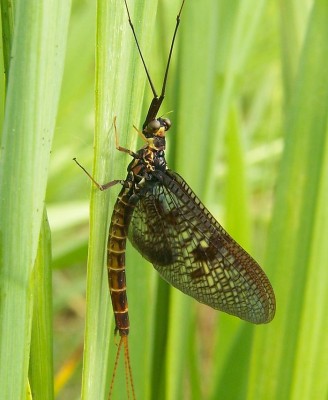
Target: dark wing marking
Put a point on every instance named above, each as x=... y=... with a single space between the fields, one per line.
x=173 y=230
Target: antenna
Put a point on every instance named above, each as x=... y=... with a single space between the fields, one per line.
x=157 y=100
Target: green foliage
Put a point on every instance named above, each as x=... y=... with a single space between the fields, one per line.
x=248 y=91
x=34 y=42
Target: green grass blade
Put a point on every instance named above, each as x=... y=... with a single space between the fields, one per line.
x=7 y=21
x=120 y=83
x=41 y=359
x=37 y=54
x=311 y=358
x=292 y=248
x=293 y=21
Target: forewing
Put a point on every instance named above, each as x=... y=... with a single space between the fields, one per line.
x=172 y=229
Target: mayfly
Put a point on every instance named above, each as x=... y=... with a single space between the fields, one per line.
x=167 y=223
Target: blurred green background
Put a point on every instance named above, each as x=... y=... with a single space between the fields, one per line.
x=248 y=92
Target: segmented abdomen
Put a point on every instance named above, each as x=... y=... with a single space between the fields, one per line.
x=116 y=260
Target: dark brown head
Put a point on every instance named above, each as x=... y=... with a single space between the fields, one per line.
x=155 y=133
x=157 y=128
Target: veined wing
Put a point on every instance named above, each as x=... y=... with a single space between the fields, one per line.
x=173 y=230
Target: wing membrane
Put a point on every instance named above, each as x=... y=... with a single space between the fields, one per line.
x=173 y=230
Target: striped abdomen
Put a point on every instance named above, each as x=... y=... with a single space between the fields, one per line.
x=116 y=260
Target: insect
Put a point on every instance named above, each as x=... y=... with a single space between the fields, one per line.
x=167 y=223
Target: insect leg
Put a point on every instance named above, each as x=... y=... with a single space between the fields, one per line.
x=99 y=186
x=120 y=148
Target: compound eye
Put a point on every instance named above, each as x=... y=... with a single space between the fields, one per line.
x=153 y=126
x=167 y=123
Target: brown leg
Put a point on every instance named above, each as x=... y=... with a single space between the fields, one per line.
x=99 y=186
x=123 y=149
